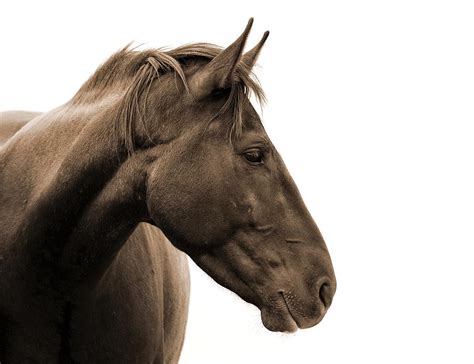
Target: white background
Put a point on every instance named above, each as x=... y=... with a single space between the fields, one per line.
x=371 y=104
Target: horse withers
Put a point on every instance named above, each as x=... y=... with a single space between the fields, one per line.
x=158 y=150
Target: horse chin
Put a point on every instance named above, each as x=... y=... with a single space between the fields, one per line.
x=278 y=320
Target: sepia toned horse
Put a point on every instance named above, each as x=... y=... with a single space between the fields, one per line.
x=158 y=155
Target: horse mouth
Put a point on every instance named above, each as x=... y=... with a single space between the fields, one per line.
x=279 y=317
x=288 y=309
x=283 y=317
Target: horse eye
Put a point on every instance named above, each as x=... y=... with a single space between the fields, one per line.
x=254 y=156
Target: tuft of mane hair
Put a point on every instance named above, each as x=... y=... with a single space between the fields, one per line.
x=132 y=72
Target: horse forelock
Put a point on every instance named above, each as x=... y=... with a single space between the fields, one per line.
x=132 y=72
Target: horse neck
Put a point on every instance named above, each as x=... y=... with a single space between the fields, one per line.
x=91 y=203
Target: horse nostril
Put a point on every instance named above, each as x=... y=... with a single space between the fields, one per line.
x=325 y=294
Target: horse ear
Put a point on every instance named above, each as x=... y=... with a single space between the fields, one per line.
x=218 y=74
x=250 y=58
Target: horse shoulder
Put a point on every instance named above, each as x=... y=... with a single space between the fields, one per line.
x=176 y=291
x=141 y=302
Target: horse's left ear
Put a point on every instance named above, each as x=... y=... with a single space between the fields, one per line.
x=218 y=74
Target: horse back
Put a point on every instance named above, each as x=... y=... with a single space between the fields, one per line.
x=12 y=121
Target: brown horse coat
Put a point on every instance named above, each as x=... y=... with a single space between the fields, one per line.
x=135 y=314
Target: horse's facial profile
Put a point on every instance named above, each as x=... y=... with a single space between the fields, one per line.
x=229 y=202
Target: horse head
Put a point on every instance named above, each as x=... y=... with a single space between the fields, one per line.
x=219 y=190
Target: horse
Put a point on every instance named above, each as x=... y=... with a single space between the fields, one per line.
x=159 y=156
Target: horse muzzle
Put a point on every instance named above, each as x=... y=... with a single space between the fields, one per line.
x=288 y=312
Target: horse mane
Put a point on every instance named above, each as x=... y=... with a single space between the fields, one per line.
x=132 y=72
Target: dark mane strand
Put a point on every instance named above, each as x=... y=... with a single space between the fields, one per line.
x=131 y=72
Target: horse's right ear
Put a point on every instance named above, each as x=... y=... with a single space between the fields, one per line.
x=219 y=73
x=250 y=58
